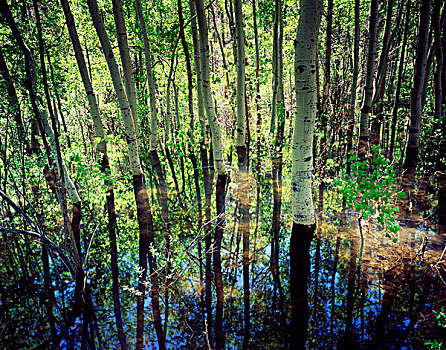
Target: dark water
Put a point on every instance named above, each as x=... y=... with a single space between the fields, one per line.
x=386 y=303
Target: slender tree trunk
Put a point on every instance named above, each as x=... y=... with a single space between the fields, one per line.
x=59 y=103
x=124 y=53
x=217 y=151
x=399 y=82
x=326 y=89
x=191 y=133
x=366 y=109
x=277 y=151
x=54 y=140
x=323 y=153
x=217 y=137
x=417 y=88
x=438 y=19
x=105 y=169
x=240 y=143
x=145 y=222
x=332 y=293
x=302 y=164
x=258 y=126
x=441 y=164
x=383 y=58
x=205 y=165
x=351 y=121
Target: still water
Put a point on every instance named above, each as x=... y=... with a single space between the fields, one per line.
x=390 y=299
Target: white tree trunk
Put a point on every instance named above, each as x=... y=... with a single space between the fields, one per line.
x=124 y=52
x=150 y=78
x=197 y=60
x=364 y=132
x=130 y=130
x=241 y=112
x=92 y=103
x=217 y=138
x=306 y=98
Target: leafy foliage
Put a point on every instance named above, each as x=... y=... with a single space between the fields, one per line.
x=369 y=190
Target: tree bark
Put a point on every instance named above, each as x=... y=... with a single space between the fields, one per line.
x=124 y=53
x=302 y=164
x=351 y=120
x=240 y=143
x=364 y=132
x=399 y=83
x=144 y=216
x=204 y=163
x=417 y=88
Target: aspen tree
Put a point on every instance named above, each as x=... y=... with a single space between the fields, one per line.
x=399 y=81
x=364 y=131
x=217 y=137
x=277 y=117
x=124 y=53
x=204 y=161
x=351 y=122
x=302 y=165
x=145 y=221
x=417 y=88
x=240 y=144
x=105 y=167
x=217 y=150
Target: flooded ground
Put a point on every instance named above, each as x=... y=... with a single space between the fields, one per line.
x=389 y=299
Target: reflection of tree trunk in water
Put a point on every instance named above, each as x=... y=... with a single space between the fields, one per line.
x=386 y=306
x=441 y=183
x=318 y=250
x=48 y=295
x=112 y=225
x=146 y=239
x=233 y=274
x=105 y=169
x=332 y=293
x=162 y=198
x=258 y=128
x=278 y=113
x=193 y=160
x=362 y=274
x=415 y=310
x=220 y=202
x=275 y=246
x=174 y=176
x=208 y=238
x=351 y=286
x=244 y=228
x=301 y=237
